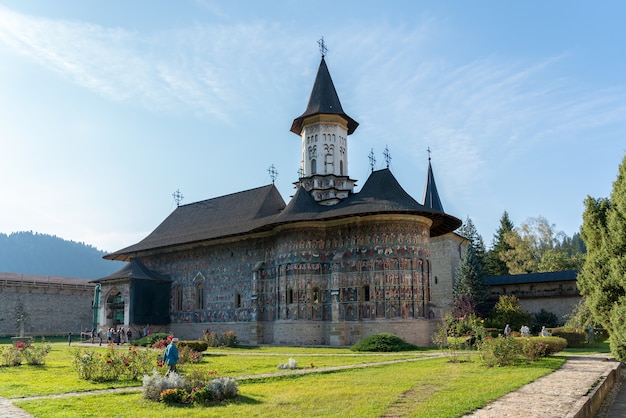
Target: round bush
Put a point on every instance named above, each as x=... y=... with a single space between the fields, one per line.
x=383 y=343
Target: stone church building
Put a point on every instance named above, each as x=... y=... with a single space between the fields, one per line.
x=329 y=267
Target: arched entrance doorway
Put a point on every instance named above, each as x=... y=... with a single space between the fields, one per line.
x=115 y=308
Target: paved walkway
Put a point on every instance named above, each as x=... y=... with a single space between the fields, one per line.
x=570 y=392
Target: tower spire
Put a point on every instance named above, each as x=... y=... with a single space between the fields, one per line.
x=431 y=197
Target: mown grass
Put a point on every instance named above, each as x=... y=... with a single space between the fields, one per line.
x=59 y=376
x=427 y=388
x=591 y=348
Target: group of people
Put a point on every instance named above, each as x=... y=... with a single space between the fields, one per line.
x=119 y=336
x=525 y=331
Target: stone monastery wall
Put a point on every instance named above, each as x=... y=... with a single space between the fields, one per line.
x=53 y=305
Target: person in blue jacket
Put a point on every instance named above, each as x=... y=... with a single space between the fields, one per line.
x=170 y=356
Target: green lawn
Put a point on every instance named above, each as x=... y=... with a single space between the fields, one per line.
x=428 y=387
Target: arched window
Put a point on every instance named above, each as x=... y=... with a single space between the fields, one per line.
x=289 y=296
x=365 y=293
x=316 y=295
x=341 y=168
x=237 y=300
x=199 y=296
x=313 y=166
x=178 y=298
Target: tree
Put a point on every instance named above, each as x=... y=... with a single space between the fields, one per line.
x=537 y=246
x=559 y=260
x=494 y=266
x=468 y=230
x=470 y=292
x=509 y=311
x=602 y=280
x=520 y=257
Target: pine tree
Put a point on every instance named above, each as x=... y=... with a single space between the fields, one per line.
x=468 y=230
x=494 y=266
x=470 y=292
x=602 y=280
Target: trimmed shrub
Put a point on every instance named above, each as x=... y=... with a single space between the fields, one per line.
x=552 y=344
x=227 y=339
x=383 y=343
x=195 y=345
x=574 y=337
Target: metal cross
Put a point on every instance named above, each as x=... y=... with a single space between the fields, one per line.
x=273 y=173
x=178 y=197
x=428 y=150
x=372 y=159
x=387 y=156
x=323 y=48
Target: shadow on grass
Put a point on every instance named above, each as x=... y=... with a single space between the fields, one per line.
x=239 y=400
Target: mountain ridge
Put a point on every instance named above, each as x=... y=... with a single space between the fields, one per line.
x=28 y=252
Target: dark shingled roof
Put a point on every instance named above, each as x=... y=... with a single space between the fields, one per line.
x=552 y=276
x=262 y=209
x=431 y=196
x=229 y=215
x=136 y=270
x=323 y=100
x=381 y=193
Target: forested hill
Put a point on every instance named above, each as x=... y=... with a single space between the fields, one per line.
x=34 y=253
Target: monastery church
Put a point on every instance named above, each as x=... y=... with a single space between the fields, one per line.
x=329 y=267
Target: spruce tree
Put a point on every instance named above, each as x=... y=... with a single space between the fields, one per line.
x=494 y=266
x=470 y=292
x=602 y=280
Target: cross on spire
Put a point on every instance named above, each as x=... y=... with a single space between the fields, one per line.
x=273 y=173
x=323 y=48
x=387 y=155
x=428 y=150
x=178 y=197
x=372 y=159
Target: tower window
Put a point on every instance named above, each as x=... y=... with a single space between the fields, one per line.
x=237 y=300
x=178 y=298
x=313 y=166
x=365 y=294
x=199 y=296
x=289 y=296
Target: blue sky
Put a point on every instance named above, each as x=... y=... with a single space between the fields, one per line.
x=107 y=108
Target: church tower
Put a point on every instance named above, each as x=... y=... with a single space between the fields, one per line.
x=324 y=130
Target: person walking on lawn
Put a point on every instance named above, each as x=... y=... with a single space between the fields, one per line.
x=170 y=356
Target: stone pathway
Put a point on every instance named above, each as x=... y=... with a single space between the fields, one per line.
x=563 y=393
x=570 y=392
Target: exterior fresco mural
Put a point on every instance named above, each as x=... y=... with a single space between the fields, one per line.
x=373 y=270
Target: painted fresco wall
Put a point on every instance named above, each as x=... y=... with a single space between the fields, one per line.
x=366 y=269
